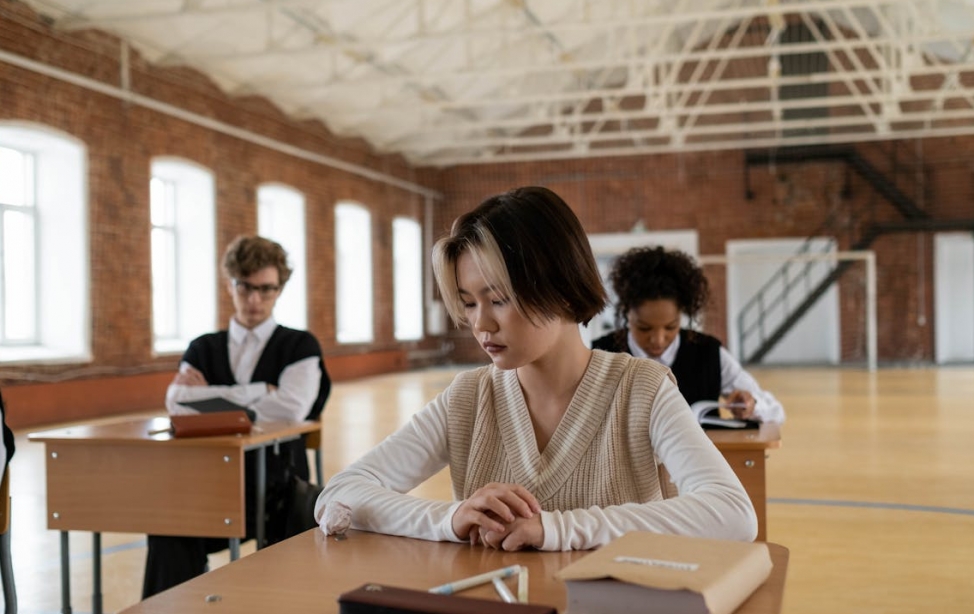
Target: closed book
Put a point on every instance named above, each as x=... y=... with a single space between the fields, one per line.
x=382 y=599
x=648 y=573
x=208 y=425
x=218 y=404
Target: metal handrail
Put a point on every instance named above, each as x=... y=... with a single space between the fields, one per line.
x=752 y=318
x=788 y=283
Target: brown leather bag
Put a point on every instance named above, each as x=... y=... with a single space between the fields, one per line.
x=207 y=425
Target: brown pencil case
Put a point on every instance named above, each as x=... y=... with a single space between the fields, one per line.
x=208 y=425
x=382 y=599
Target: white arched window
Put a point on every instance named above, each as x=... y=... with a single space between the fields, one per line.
x=182 y=210
x=407 y=258
x=280 y=217
x=44 y=304
x=353 y=273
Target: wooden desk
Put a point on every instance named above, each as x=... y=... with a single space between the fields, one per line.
x=307 y=573
x=132 y=476
x=745 y=451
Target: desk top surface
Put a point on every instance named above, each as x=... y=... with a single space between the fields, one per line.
x=766 y=437
x=155 y=429
x=308 y=572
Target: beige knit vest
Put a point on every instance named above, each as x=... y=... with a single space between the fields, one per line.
x=599 y=455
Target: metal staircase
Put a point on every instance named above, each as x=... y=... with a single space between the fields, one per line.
x=793 y=282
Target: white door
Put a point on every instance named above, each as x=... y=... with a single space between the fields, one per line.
x=954 y=297
x=815 y=338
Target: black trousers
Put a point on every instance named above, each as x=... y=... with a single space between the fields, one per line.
x=172 y=560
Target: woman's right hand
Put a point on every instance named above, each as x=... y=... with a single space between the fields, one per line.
x=490 y=507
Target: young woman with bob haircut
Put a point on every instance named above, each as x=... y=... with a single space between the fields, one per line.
x=551 y=446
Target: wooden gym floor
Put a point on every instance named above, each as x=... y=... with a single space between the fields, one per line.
x=872 y=490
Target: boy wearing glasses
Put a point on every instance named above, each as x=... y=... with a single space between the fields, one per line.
x=273 y=370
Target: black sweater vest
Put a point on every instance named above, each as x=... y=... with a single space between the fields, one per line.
x=209 y=353
x=697 y=364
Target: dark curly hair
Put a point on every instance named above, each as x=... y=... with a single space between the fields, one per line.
x=651 y=273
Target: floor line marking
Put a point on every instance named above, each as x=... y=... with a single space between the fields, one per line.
x=874 y=505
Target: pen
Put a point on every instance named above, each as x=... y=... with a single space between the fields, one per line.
x=522 y=584
x=503 y=591
x=459 y=585
x=733 y=405
x=160 y=431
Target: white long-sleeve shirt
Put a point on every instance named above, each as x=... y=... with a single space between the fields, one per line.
x=296 y=391
x=732 y=377
x=712 y=502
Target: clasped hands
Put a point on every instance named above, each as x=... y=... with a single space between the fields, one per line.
x=501 y=516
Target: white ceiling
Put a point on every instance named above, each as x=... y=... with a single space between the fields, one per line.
x=446 y=82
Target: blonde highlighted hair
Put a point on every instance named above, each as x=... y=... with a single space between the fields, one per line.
x=531 y=248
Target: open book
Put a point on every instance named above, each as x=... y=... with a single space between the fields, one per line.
x=707 y=414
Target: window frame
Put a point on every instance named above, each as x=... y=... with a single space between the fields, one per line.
x=60 y=218
x=194 y=266
x=28 y=208
x=363 y=302
x=292 y=307
x=416 y=276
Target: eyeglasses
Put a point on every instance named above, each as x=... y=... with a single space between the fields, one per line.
x=244 y=289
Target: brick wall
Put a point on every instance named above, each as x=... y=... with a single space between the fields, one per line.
x=705 y=191
x=120 y=140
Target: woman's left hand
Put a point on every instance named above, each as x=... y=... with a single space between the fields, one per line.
x=493 y=506
x=518 y=534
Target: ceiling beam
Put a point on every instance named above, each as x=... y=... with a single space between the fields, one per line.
x=480 y=157
x=757 y=52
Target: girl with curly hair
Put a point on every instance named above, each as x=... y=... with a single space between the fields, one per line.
x=655 y=289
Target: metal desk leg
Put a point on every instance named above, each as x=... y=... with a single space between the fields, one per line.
x=7 y=575
x=260 y=519
x=319 y=474
x=96 y=573
x=65 y=575
x=234 y=548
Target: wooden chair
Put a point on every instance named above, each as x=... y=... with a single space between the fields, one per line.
x=6 y=565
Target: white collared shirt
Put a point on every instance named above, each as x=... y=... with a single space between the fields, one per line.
x=237 y=342
x=732 y=377
x=297 y=386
